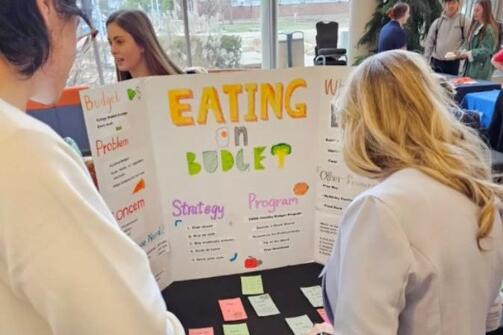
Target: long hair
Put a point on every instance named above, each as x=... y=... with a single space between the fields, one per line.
x=397 y=11
x=138 y=25
x=488 y=18
x=396 y=115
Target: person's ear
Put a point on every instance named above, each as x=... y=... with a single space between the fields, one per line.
x=46 y=9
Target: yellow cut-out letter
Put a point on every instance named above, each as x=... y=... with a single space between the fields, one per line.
x=251 y=89
x=271 y=97
x=233 y=91
x=209 y=100
x=300 y=110
x=177 y=109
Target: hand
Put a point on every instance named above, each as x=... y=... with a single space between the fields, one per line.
x=321 y=328
x=461 y=54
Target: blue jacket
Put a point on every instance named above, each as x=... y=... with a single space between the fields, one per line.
x=391 y=37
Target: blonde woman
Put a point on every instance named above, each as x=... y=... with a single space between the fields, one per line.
x=421 y=252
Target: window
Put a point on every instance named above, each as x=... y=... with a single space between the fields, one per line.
x=222 y=33
x=299 y=17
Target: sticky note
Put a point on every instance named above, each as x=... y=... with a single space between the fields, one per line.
x=232 y=309
x=263 y=305
x=300 y=325
x=323 y=314
x=313 y=294
x=236 y=329
x=201 y=331
x=251 y=285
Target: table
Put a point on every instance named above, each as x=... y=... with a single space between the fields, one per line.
x=195 y=302
x=483 y=102
x=478 y=86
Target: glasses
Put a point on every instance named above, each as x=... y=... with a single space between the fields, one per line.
x=84 y=40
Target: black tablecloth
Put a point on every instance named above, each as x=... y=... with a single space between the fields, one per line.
x=195 y=302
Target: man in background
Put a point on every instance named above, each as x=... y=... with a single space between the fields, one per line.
x=446 y=35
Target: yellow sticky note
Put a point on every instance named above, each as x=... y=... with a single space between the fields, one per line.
x=251 y=285
x=236 y=329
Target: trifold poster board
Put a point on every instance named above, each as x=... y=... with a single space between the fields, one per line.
x=217 y=174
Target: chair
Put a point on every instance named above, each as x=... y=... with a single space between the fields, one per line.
x=326 y=51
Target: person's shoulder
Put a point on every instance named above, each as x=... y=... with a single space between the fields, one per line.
x=402 y=187
x=466 y=19
x=490 y=29
x=388 y=26
x=436 y=22
x=32 y=148
x=14 y=121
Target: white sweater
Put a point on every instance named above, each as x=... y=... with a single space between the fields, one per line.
x=65 y=266
x=406 y=262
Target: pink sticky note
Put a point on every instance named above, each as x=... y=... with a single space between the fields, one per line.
x=232 y=309
x=201 y=331
x=323 y=314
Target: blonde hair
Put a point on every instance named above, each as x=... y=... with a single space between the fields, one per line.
x=396 y=115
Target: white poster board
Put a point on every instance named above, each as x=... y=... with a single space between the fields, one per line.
x=223 y=173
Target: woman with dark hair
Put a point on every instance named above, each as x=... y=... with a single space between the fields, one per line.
x=392 y=35
x=65 y=266
x=135 y=47
x=482 y=42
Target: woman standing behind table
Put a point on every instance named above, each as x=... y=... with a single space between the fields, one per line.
x=135 y=47
x=482 y=42
x=392 y=35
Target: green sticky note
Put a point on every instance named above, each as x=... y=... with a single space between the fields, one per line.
x=251 y=285
x=313 y=294
x=300 y=325
x=236 y=329
x=263 y=305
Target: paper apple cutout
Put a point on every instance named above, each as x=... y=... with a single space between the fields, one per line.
x=252 y=262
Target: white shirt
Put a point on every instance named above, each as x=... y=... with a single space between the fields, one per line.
x=406 y=262
x=65 y=266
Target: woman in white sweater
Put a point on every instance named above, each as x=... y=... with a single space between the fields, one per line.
x=422 y=251
x=65 y=266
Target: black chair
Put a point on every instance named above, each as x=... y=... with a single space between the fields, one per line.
x=326 y=51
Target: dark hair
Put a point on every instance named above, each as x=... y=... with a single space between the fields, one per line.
x=24 y=39
x=397 y=11
x=138 y=25
x=488 y=18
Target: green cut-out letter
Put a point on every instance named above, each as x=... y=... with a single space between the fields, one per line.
x=227 y=160
x=194 y=168
x=258 y=157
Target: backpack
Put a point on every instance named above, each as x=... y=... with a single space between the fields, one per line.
x=461 y=27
